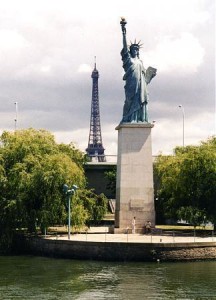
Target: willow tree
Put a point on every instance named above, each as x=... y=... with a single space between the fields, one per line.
x=187 y=182
x=33 y=169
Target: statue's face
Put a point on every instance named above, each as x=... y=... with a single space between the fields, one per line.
x=134 y=51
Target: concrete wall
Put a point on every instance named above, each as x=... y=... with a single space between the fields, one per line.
x=109 y=251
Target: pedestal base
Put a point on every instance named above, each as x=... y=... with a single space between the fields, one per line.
x=134 y=187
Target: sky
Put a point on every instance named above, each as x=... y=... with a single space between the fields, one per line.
x=47 y=50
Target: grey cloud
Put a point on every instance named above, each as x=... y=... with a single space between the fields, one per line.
x=60 y=99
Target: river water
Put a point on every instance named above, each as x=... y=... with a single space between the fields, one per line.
x=27 y=277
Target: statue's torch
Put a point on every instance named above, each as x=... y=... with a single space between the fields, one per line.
x=123 y=24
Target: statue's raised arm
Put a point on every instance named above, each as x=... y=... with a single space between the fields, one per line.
x=136 y=80
x=123 y=26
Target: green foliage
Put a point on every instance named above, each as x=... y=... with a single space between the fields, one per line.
x=188 y=179
x=76 y=155
x=111 y=177
x=79 y=216
x=86 y=208
x=192 y=215
x=33 y=169
x=94 y=205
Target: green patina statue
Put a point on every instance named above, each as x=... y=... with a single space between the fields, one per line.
x=136 y=78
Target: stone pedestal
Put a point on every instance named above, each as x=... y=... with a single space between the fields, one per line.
x=134 y=187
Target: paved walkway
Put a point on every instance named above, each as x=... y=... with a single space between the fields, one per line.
x=100 y=234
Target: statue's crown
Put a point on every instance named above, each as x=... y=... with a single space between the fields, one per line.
x=136 y=45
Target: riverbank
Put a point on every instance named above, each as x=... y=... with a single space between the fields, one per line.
x=98 y=244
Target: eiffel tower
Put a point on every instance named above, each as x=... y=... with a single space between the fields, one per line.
x=95 y=150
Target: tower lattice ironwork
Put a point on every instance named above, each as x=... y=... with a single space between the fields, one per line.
x=95 y=150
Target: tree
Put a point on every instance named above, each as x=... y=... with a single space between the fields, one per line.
x=75 y=154
x=87 y=208
x=192 y=215
x=188 y=179
x=95 y=205
x=33 y=169
x=111 y=177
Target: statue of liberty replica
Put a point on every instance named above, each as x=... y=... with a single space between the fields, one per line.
x=136 y=80
x=134 y=185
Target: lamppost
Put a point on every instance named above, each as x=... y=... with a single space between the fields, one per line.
x=69 y=194
x=183 y=119
x=16 y=118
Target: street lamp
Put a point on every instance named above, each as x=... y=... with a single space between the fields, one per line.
x=69 y=194
x=16 y=118
x=183 y=119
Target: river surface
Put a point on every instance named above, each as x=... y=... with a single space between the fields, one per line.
x=27 y=277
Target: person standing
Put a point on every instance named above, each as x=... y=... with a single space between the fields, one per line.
x=134 y=225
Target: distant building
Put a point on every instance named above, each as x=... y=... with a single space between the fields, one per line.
x=96 y=177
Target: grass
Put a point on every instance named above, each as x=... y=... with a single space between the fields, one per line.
x=111 y=217
x=64 y=229
x=183 y=227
